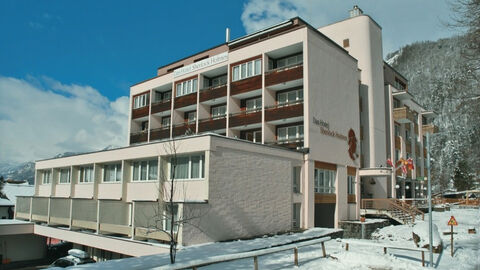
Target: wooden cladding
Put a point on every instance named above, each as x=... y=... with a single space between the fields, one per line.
x=138 y=137
x=284 y=75
x=185 y=129
x=245 y=118
x=187 y=100
x=246 y=85
x=212 y=124
x=159 y=134
x=351 y=171
x=403 y=115
x=416 y=128
x=430 y=128
x=325 y=165
x=325 y=198
x=425 y=152
x=409 y=147
x=417 y=149
x=352 y=198
x=397 y=143
x=140 y=112
x=161 y=106
x=276 y=113
x=213 y=93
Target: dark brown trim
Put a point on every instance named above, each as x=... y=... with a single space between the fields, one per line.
x=352 y=171
x=325 y=198
x=352 y=198
x=325 y=165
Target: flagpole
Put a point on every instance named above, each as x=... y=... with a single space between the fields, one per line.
x=430 y=221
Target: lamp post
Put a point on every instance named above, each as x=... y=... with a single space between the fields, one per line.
x=430 y=222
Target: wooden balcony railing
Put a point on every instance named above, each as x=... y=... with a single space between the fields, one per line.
x=284 y=74
x=294 y=143
x=161 y=106
x=139 y=137
x=184 y=101
x=160 y=133
x=183 y=129
x=213 y=92
x=398 y=144
x=245 y=118
x=209 y=124
x=140 y=112
x=284 y=111
x=246 y=85
x=403 y=115
x=430 y=128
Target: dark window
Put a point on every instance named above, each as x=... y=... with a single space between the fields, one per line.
x=346 y=43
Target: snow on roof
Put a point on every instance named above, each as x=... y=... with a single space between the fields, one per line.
x=14 y=190
x=6 y=202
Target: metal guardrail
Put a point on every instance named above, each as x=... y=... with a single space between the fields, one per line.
x=249 y=254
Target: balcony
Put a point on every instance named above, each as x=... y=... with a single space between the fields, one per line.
x=140 y=112
x=161 y=106
x=284 y=111
x=160 y=133
x=429 y=128
x=213 y=93
x=245 y=118
x=211 y=124
x=284 y=74
x=139 y=137
x=403 y=115
x=295 y=143
x=184 y=101
x=246 y=85
x=184 y=129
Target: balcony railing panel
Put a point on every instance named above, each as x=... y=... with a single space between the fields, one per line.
x=114 y=217
x=22 y=207
x=295 y=143
x=148 y=220
x=213 y=93
x=140 y=112
x=186 y=100
x=159 y=133
x=184 y=129
x=403 y=115
x=138 y=137
x=246 y=85
x=430 y=128
x=84 y=213
x=40 y=209
x=245 y=118
x=210 y=124
x=284 y=74
x=284 y=111
x=60 y=211
x=161 y=106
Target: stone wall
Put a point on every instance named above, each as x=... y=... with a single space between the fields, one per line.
x=362 y=230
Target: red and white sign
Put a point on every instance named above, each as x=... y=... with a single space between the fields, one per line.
x=452 y=222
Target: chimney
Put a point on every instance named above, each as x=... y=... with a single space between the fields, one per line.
x=227 y=35
x=356 y=11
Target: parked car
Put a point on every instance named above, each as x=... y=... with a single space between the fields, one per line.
x=74 y=257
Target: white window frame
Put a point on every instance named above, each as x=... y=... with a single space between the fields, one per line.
x=293 y=59
x=287 y=101
x=296 y=176
x=256 y=107
x=298 y=136
x=186 y=87
x=46 y=176
x=141 y=101
x=218 y=115
x=328 y=186
x=201 y=172
x=351 y=182
x=166 y=219
x=68 y=175
x=139 y=162
x=82 y=174
x=247 y=70
x=117 y=171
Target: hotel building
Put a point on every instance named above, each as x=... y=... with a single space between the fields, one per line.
x=282 y=129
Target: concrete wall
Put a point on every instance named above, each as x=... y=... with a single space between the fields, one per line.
x=22 y=247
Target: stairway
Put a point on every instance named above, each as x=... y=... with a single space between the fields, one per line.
x=395 y=209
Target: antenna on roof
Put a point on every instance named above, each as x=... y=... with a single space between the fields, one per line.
x=227 y=35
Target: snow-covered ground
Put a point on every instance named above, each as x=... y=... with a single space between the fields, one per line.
x=466 y=250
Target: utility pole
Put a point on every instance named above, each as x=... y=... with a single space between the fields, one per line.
x=430 y=221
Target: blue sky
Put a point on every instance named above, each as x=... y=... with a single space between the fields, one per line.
x=78 y=58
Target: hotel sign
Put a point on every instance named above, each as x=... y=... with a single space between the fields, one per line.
x=351 y=139
x=219 y=58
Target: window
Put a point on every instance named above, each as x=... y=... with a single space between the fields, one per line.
x=296 y=216
x=397 y=129
x=165 y=121
x=396 y=103
x=85 y=174
x=296 y=179
x=346 y=43
x=324 y=181
x=290 y=133
x=112 y=173
x=254 y=104
x=253 y=136
x=218 y=111
x=190 y=116
x=247 y=70
x=290 y=96
x=47 y=177
x=351 y=184
x=141 y=101
x=145 y=170
x=215 y=81
x=167 y=221
x=187 y=167
x=407 y=135
x=163 y=96
x=144 y=126
x=186 y=87
x=289 y=60
x=65 y=176
x=397 y=155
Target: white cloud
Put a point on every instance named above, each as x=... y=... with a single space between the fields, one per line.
x=41 y=117
x=403 y=22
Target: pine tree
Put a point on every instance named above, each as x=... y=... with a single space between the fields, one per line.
x=463 y=178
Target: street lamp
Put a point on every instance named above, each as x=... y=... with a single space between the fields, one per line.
x=430 y=222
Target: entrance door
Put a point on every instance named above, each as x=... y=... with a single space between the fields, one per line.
x=325 y=215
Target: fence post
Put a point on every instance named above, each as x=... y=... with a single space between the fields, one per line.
x=423 y=258
x=295 y=256
x=346 y=246
x=384 y=250
x=323 y=250
x=255 y=262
